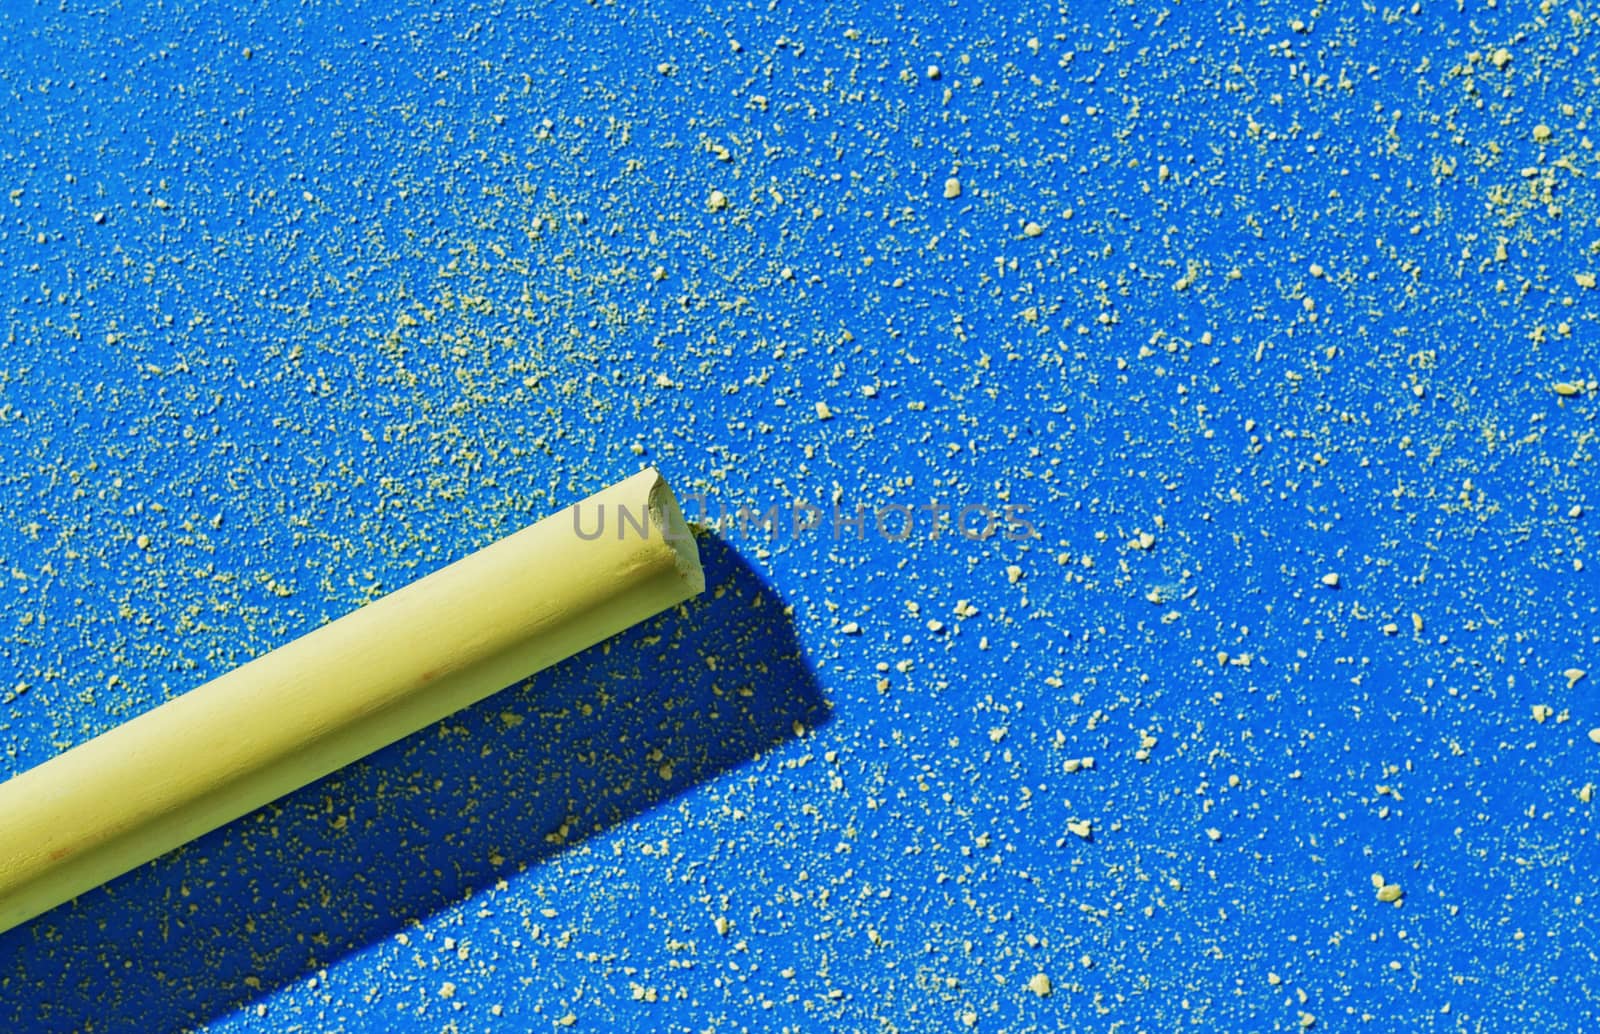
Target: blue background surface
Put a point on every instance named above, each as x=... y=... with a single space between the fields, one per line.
x=301 y=303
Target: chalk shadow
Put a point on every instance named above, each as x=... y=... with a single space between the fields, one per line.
x=419 y=826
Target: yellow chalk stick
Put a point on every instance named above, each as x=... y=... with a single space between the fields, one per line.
x=340 y=692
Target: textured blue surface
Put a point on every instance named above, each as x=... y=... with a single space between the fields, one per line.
x=301 y=303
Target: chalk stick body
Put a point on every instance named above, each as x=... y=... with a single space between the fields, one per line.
x=340 y=692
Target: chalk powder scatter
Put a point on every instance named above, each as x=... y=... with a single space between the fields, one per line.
x=1278 y=321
